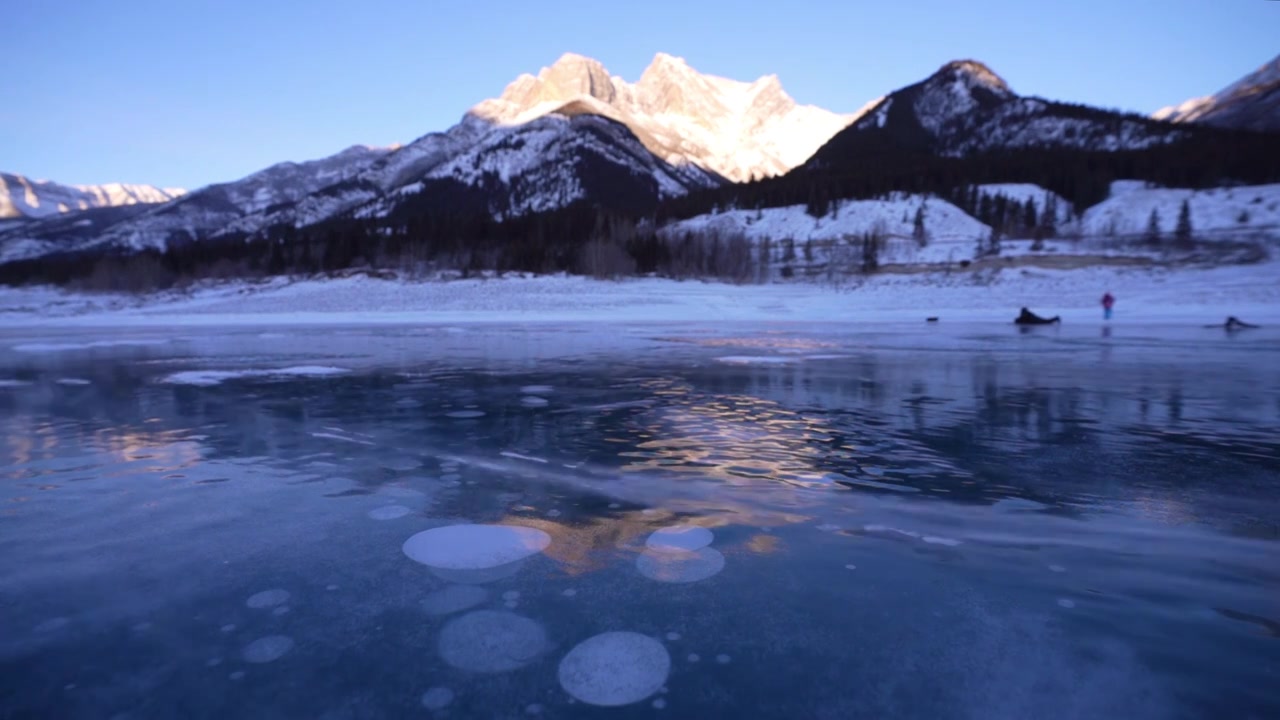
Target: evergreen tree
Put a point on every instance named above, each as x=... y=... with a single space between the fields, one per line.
x=918 y=231
x=1153 y=227
x=1029 y=217
x=1182 y=233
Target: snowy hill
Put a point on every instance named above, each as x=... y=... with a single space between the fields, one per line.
x=1231 y=211
x=738 y=130
x=951 y=234
x=22 y=197
x=965 y=108
x=1251 y=103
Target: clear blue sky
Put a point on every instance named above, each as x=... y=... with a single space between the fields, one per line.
x=195 y=91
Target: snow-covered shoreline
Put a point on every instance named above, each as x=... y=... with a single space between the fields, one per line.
x=1188 y=295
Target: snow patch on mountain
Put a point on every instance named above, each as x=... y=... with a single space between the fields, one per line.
x=22 y=197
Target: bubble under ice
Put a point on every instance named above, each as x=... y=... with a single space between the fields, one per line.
x=680 y=566
x=267 y=649
x=615 y=668
x=475 y=547
x=491 y=641
x=437 y=698
x=680 y=537
x=454 y=598
x=267 y=598
x=389 y=512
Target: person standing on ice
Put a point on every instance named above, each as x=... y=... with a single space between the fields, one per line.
x=1107 y=302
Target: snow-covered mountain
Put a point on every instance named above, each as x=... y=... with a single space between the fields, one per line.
x=21 y=197
x=1251 y=103
x=199 y=214
x=544 y=164
x=738 y=130
x=965 y=108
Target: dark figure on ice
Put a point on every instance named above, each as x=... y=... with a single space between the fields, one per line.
x=1108 y=301
x=1235 y=323
x=1026 y=317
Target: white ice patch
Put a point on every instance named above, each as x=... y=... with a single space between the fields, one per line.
x=267 y=649
x=518 y=456
x=207 y=378
x=454 y=598
x=537 y=390
x=389 y=512
x=13 y=383
x=615 y=668
x=343 y=438
x=680 y=566
x=73 y=381
x=490 y=641
x=756 y=360
x=437 y=698
x=534 y=401
x=1068 y=604
x=267 y=598
x=59 y=347
x=680 y=538
x=465 y=414
x=475 y=547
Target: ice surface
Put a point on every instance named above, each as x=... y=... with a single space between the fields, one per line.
x=454 y=598
x=615 y=668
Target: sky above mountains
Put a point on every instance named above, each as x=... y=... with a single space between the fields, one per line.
x=185 y=94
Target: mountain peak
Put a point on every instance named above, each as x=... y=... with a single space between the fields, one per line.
x=665 y=61
x=973 y=74
x=574 y=75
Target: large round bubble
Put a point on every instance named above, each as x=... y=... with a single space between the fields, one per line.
x=680 y=566
x=475 y=547
x=267 y=649
x=490 y=641
x=454 y=598
x=680 y=538
x=615 y=668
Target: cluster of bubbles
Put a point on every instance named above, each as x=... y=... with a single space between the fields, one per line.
x=609 y=669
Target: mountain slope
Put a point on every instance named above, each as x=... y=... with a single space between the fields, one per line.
x=546 y=164
x=1251 y=103
x=21 y=197
x=965 y=109
x=196 y=215
x=738 y=130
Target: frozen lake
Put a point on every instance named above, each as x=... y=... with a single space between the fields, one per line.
x=682 y=521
